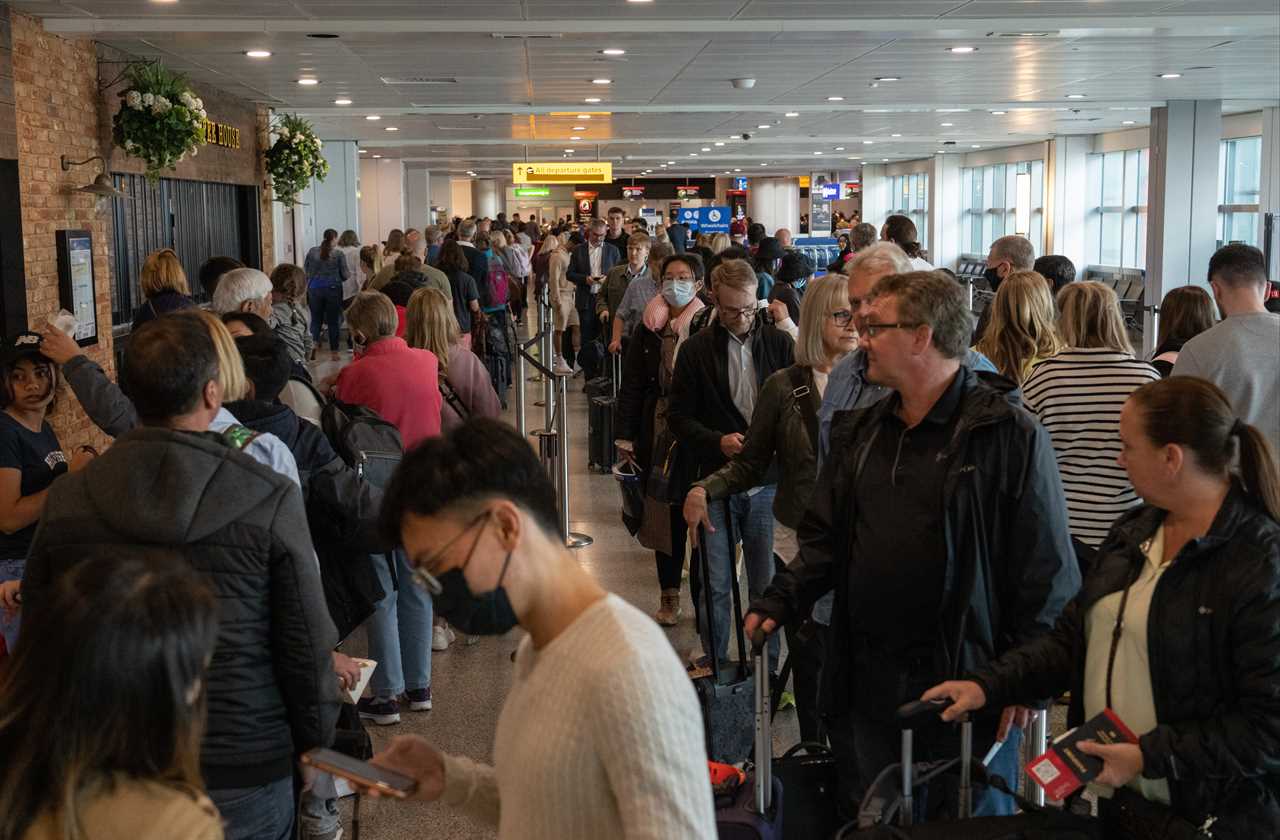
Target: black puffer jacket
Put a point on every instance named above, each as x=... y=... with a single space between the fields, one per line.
x=1215 y=664
x=271 y=689
x=1010 y=568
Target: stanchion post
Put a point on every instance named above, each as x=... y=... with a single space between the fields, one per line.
x=522 y=423
x=548 y=359
x=1037 y=743
x=571 y=538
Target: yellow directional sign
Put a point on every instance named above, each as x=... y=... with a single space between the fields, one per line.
x=567 y=172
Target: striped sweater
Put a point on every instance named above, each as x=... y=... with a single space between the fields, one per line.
x=1078 y=395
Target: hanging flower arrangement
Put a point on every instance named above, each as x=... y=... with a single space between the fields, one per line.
x=294 y=159
x=160 y=119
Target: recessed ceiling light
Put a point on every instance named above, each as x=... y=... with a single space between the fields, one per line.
x=639 y=1
x=308 y=82
x=391 y=128
x=258 y=53
x=719 y=142
x=613 y=51
x=791 y=114
x=342 y=102
x=867 y=142
x=375 y=157
x=888 y=79
x=817 y=153
x=591 y=100
x=1171 y=75
x=1129 y=122
x=1075 y=96
x=364 y=151
x=839 y=148
x=602 y=81
x=693 y=154
x=884 y=160
x=662 y=166
x=941 y=152
x=962 y=50
x=568 y=151
x=764 y=125
x=579 y=128
x=575 y=137
x=584 y=116
x=727 y=172
x=835 y=98
x=764 y=164
x=946 y=125
x=706 y=148
x=895 y=135
x=976 y=146
x=998 y=113
x=737 y=170
x=373 y=118
x=671 y=163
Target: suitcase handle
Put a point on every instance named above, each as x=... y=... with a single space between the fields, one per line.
x=764 y=724
x=912 y=713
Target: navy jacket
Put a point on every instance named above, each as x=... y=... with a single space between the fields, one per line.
x=579 y=272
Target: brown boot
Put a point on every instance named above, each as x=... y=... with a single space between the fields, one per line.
x=669 y=610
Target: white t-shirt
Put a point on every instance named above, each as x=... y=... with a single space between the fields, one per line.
x=918 y=264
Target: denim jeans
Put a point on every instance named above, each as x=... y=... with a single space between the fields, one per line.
x=256 y=813
x=400 y=631
x=318 y=815
x=326 y=310
x=11 y=570
x=753 y=526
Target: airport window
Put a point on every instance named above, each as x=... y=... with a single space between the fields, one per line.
x=1239 y=188
x=1116 y=223
x=910 y=198
x=1001 y=199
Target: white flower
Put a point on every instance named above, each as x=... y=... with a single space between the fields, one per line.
x=284 y=132
x=187 y=99
x=148 y=99
x=195 y=152
x=200 y=103
x=203 y=114
x=133 y=99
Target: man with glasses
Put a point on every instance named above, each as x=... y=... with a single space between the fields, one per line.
x=717 y=378
x=588 y=265
x=939 y=521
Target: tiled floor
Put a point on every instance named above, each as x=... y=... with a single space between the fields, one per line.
x=469 y=683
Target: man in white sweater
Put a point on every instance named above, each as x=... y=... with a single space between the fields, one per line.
x=1241 y=355
x=600 y=736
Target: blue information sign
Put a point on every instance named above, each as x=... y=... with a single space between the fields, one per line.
x=739 y=183
x=706 y=219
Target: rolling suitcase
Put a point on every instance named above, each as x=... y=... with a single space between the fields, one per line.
x=602 y=396
x=754 y=812
x=727 y=695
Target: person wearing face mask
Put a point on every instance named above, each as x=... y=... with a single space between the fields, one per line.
x=785 y=427
x=643 y=436
x=714 y=393
x=618 y=748
x=1007 y=255
x=793 y=273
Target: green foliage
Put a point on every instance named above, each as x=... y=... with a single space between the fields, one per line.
x=160 y=119
x=294 y=159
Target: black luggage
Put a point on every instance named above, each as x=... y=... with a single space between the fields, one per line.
x=366 y=442
x=727 y=696
x=808 y=774
x=602 y=397
x=755 y=810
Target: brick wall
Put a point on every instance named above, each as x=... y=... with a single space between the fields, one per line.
x=55 y=84
x=266 y=197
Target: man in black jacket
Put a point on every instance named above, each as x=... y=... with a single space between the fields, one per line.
x=713 y=393
x=588 y=266
x=271 y=688
x=940 y=522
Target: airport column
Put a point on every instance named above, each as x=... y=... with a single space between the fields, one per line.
x=946 y=209
x=1269 y=199
x=417 y=196
x=382 y=198
x=775 y=203
x=1182 y=200
x=486 y=198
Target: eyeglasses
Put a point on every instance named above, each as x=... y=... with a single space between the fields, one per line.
x=429 y=581
x=872 y=330
x=733 y=312
x=842 y=317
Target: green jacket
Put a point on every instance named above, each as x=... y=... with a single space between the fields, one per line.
x=778 y=431
x=614 y=287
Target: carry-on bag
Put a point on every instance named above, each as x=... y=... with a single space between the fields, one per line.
x=754 y=811
x=602 y=400
x=727 y=695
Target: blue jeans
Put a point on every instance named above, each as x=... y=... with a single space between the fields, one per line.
x=326 y=310
x=753 y=526
x=257 y=813
x=318 y=815
x=400 y=631
x=11 y=570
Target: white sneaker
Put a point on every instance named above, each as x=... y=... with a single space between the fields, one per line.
x=440 y=638
x=577 y=369
x=453 y=637
x=560 y=367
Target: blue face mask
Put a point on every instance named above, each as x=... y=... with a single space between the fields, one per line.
x=677 y=292
x=799 y=285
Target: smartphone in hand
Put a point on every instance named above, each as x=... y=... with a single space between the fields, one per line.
x=362 y=773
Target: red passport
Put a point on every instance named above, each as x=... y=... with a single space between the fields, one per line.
x=1064 y=769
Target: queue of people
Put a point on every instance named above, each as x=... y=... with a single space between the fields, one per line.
x=993 y=519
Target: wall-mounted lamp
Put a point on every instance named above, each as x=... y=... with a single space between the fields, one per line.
x=1022 y=205
x=101 y=188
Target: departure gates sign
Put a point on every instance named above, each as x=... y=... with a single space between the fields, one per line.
x=567 y=172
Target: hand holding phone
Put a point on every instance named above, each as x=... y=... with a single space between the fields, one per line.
x=371 y=779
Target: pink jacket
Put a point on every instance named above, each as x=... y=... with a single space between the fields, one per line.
x=470 y=380
x=398 y=382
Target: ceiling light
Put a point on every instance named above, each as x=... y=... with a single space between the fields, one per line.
x=579 y=128
x=737 y=170
x=375 y=157
x=602 y=81
x=1075 y=96
x=839 y=148
x=835 y=98
x=791 y=114
x=308 y=82
x=342 y=102
x=884 y=160
x=373 y=118
x=764 y=125
x=575 y=137
x=391 y=128
x=719 y=142
x=976 y=146
x=1129 y=122
x=1170 y=75
x=963 y=50
x=706 y=148
x=693 y=154
x=258 y=53
x=613 y=51
x=946 y=125
x=998 y=113
x=364 y=151
x=662 y=166
x=569 y=151
x=764 y=164
x=895 y=135
x=727 y=172
x=888 y=79
x=584 y=116
x=941 y=152
x=671 y=163
x=817 y=153
x=867 y=142
x=591 y=100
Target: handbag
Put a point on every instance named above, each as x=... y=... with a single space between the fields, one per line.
x=662 y=485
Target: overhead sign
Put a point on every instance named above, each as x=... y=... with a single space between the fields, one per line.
x=852 y=189
x=831 y=192
x=532 y=192
x=636 y=191
x=739 y=183
x=706 y=219
x=563 y=172
x=690 y=191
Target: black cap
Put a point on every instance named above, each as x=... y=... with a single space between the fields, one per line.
x=770 y=249
x=795 y=266
x=24 y=345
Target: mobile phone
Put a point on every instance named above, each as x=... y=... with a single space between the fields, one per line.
x=361 y=772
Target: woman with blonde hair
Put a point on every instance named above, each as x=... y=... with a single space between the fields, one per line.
x=465 y=386
x=1021 y=331
x=164 y=285
x=563 y=304
x=718 y=242
x=1077 y=395
x=349 y=247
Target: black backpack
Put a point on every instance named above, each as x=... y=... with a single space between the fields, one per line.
x=366 y=442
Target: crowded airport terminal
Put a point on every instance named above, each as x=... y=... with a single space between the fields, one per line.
x=638 y=419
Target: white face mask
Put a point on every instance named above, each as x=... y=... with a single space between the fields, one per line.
x=678 y=292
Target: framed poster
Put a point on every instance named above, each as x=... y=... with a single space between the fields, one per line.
x=76 y=289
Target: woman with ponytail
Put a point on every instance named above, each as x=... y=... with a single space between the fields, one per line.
x=1176 y=629
x=327 y=273
x=901 y=231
